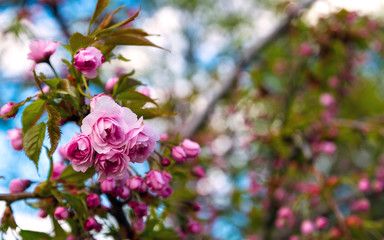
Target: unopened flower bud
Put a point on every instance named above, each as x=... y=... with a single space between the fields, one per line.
x=108 y=185
x=7 y=109
x=93 y=200
x=191 y=148
x=61 y=213
x=307 y=227
x=19 y=185
x=198 y=171
x=178 y=154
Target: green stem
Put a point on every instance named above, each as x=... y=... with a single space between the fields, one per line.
x=86 y=85
x=53 y=69
x=83 y=93
x=37 y=81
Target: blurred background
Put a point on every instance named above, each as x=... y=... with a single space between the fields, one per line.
x=248 y=84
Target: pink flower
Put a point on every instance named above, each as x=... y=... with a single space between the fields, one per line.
x=41 y=51
x=145 y=91
x=111 y=83
x=307 y=227
x=285 y=212
x=58 y=168
x=108 y=185
x=156 y=180
x=94 y=100
x=88 y=60
x=61 y=213
x=178 y=154
x=142 y=142
x=108 y=125
x=80 y=152
x=194 y=227
x=198 y=171
x=321 y=222
x=16 y=137
x=93 y=200
x=19 y=185
x=111 y=165
x=6 y=108
x=364 y=185
x=191 y=148
x=328 y=147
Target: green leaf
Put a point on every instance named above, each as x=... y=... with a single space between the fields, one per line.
x=135 y=96
x=72 y=176
x=32 y=235
x=33 y=141
x=100 y=6
x=122 y=23
x=77 y=203
x=130 y=39
x=54 y=132
x=122 y=58
x=32 y=114
x=60 y=234
x=78 y=40
x=125 y=83
x=148 y=113
x=52 y=82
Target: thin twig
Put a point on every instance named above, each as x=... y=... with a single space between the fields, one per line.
x=246 y=58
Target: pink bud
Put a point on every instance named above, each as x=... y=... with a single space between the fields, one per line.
x=19 y=185
x=305 y=50
x=327 y=100
x=111 y=83
x=191 y=148
x=88 y=60
x=6 y=109
x=93 y=200
x=163 y=137
x=194 y=227
x=196 y=207
x=285 y=212
x=123 y=192
x=16 y=137
x=364 y=185
x=42 y=213
x=165 y=162
x=141 y=210
x=134 y=183
x=139 y=225
x=108 y=185
x=145 y=91
x=328 y=147
x=91 y=224
x=61 y=213
x=165 y=192
x=307 y=227
x=321 y=222
x=294 y=237
x=71 y=237
x=361 y=205
x=58 y=168
x=198 y=171
x=178 y=154
x=377 y=186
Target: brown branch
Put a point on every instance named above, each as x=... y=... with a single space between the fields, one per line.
x=246 y=57
x=118 y=213
x=9 y=198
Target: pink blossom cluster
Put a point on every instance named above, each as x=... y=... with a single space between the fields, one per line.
x=111 y=138
x=188 y=150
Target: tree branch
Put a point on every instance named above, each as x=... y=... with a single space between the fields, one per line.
x=118 y=213
x=246 y=57
x=9 y=198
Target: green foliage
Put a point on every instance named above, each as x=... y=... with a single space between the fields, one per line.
x=32 y=114
x=78 y=177
x=100 y=6
x=32 y=235
x=77 y=41
x=54 y=132
x=33 y=142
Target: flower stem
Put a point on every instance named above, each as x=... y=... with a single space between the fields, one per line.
x=86 y=85
x=82 y=92
x=53 y=69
